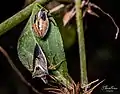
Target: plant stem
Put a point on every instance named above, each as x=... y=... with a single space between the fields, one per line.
x=18 y=17
x=17 y=71
x=80 y=33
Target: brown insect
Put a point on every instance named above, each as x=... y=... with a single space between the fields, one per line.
x=41 y=23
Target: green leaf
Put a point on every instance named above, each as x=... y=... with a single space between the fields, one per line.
x=52 y=46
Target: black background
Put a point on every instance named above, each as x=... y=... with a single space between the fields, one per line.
x=102 y=50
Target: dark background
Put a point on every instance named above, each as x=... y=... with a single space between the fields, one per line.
x=102 y=50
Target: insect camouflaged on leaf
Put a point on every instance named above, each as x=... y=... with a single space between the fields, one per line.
x=41 y=23
x=40 y=68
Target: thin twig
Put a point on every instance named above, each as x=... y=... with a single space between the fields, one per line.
x=53 y=89
x=57 y=8
x=68 y=16
x=90 y=83
x=95 y=6
x=17 y=71
x=91 y=90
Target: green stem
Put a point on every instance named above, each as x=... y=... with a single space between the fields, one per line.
x=18 y=17
x=80 y=33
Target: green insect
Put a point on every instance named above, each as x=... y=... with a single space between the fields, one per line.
x=33 y=51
